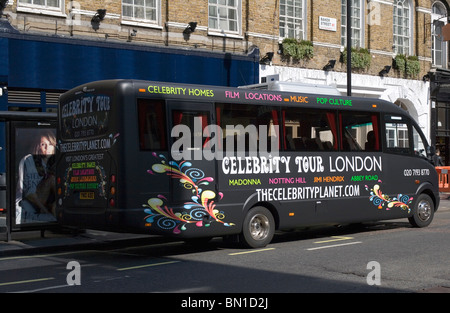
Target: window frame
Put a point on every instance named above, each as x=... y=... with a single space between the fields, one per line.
x=305 y=139
x=218 y=29
x=398 y=119
x=360 y=138
x=132 y=20
x=249 y=115
x=443 y=118
x=437 y=22
x=142 y=106
x=361 y=43
x=42 y=8
x=418 y=139
x=402 y=48
x=190 y=117
x=297 y=21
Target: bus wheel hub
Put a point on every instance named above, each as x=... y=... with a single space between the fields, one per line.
x=259 y=227
x=424 y=210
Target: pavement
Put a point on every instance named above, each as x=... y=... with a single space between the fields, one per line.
x=52 y=241
x=57 y=240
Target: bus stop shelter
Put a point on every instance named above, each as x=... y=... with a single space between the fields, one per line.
x=28 y=171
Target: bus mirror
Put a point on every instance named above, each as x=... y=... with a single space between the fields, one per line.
x=431 y=151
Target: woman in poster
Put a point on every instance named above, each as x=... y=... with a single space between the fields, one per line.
x=35 y=196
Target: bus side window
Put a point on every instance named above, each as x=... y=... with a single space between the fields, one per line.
x=197 y=121
x=397 y=135
x=359 y=131
x=152 y=129
x=243 y=127
x=309 y=130
x=419 y=144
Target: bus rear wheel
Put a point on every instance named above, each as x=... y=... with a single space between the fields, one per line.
x=258 y=228
x=423 y=211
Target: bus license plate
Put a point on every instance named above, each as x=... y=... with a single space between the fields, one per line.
x=87 y=195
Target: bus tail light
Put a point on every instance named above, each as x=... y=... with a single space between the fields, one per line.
x=112 y=190
x=58 y=185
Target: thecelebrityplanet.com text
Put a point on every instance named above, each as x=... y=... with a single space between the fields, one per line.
x=304 y=193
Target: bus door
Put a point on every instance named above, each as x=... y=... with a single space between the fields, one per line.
x=193 y=172
x=407 y=166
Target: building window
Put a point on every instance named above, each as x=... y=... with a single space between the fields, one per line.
x=224 y=15
x=443 y=118
x=292 y=19
x=44 y=3
x=142 y=10
x=45 y=7
x=439 y=47
x=402 y=26
x=356 y=22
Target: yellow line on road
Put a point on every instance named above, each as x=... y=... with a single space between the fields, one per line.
x=146 y=265
x=335 y=238
x=251 y=251
x=26 y=281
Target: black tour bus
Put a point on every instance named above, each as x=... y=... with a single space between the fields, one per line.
x=200 y=161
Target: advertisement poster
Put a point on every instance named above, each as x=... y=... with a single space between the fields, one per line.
x=35 y=175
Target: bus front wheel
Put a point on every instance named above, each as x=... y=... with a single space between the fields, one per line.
x=423 y=211
x=258 y=228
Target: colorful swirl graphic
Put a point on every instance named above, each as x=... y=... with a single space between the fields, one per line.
x=201 y=210
x=383 y=201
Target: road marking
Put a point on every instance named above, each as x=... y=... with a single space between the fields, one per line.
x=333 y=246
x=26 y=281
x=44 y=255
x=336 y=238
x=146 y=265
x=251 y=251
x=42 y=289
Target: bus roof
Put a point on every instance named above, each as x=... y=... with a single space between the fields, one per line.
x=294 y=87
x=190 y=92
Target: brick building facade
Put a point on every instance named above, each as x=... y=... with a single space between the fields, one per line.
x=255 y=23
x=397 y=43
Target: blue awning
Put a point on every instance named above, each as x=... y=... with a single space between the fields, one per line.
x=56 y=62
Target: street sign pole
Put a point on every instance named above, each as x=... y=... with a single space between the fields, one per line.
x=349 y=49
